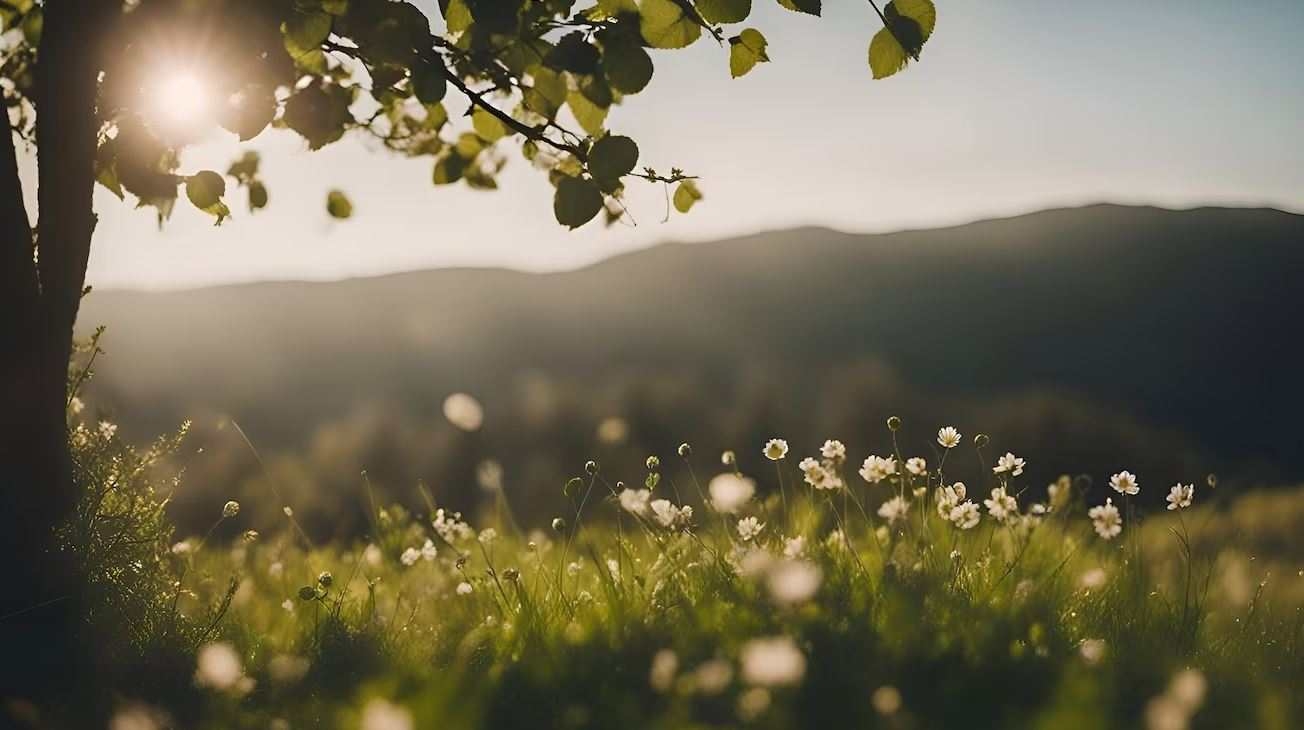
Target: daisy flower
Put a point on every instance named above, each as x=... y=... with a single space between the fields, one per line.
x=894 y=509
x=635 y=501
x=1010 y=464
x=834 y=451
x=749 y=528
x=1125 y=482
x=1180 y=496
x=948 y=437
x=916 y=465
x=1002 y=506
x=965 y=515
x=876 y=469
x=776 y=449
x=1106 y=520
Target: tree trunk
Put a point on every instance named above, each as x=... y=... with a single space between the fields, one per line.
x=39 y=297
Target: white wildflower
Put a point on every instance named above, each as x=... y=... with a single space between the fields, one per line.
x=948 y=437
x=713 y=676
x=487 y=536
x=665 y=664
x=218 y=666
x=948 y=498
x=489 y=475
x=1093 y=579
x=793 y=581
x=428 y=551
x=108 y=430
x=1010 y=464
x=1106 y=520
x=917 y=466
x=288 y=605
x=410 y=557
x=230 y=509
x=464 y=412
x=1092 y=650
x=876 y=469
x=753 y=703
x=1180 y=496
x=776 y=449
x=834 y=450
x=380 y=714
x=1125 y=482
x=773 y=661
x=1004 y=507
x=464 y=589
x=669 y=516
x=794 y=547
x=729 y=492
x=749 y=528
x=635 y=501
x=965 y=515
x=894 y=509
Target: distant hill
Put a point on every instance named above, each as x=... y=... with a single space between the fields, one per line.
x=1091 y=339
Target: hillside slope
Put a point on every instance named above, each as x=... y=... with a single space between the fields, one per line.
x=1104 y=333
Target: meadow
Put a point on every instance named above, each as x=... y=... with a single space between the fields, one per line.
x=771 y=588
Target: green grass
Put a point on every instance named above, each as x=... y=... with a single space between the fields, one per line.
x=914 y=625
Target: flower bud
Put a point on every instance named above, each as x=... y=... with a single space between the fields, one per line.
x=653 y=463
x=685 y=450
x=894 y=423
x=230 y=509
x=325 y=579
x=981 y=440
x=591 y=467
x=558 y=524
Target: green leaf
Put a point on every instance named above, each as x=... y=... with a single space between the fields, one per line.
x=667 y=24
x=810 y=7
x=257 y=196
x=612 y=158
x=245 y=168
x=429 y=82
x=205 y=190
x=488 y=126
x=576 y=202
x=457 y=16
x=449 y=169
x=338 y=205
x=627 y=66
x=33 y=24
x=745 y=51
x=886 y=56
x=304 y=32
x=590 y=116
x=686 y=195
x=724 y=11
x=319 y=113
x=248 y=111
x=922 y=12
x=107 y=175
x=546 y=93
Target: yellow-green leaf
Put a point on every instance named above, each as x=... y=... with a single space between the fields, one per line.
x=590 y=116
x=488 y=126
x=745 y=51
x=686 y=195
x=724 y=11
x=810 y=7
x=338 y=205
x=922 y=12
x=666 y=24
x=304 y=33
x=886 y=56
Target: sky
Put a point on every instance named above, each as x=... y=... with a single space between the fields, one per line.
x=1016 y=105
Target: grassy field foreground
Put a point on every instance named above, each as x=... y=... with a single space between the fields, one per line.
x=830 y=594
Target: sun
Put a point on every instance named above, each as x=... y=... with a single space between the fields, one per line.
x=182 y=98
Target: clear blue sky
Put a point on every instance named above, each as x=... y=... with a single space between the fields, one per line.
x=1016 y=105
